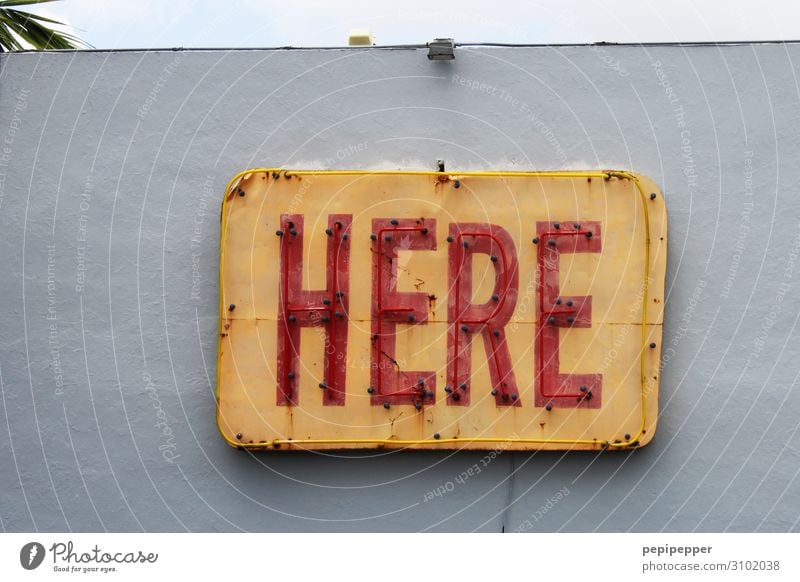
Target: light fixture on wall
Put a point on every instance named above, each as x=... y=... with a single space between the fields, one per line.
x=441 y=49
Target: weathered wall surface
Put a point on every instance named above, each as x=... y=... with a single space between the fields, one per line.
x=112 y=167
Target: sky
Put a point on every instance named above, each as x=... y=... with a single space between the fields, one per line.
x=111 y=24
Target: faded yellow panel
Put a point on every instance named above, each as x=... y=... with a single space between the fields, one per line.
x=625 y=280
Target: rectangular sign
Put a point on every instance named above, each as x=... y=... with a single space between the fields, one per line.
x=433 y=310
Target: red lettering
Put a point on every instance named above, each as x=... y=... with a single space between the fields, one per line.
x=326 y=308
x=390 y=384
x=488 y=319
x=556 y=311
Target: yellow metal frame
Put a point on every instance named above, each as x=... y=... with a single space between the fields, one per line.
x=605 y=174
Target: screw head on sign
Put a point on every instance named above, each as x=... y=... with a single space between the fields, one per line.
x=464 y=328
x=393 y=222
x=420 y=382
x=549 y=407
x=589 y=234
x=324 y=319
x=456 y=396
x=339 y=314
x=429 y=393
x=551 y=242
x=388 y=238
x=241 y=192
x=290 y=375
x=448 y=389
x=463 y=386
x=371 y=390
x=583 y=389
x=457 y=184
x=495 y=298
x=558 y=300
x=652 y=345
x=323 y=385
x=496 y=333
x=279 y=233
x=493 y=258
x=556 y=225
x=570 y=319
x=231 y=307
x=513 y=397
x=329 y=232
x=627 y=437
x=494 y=392
x=551 y=320
x=340 y=293
x=373 y=236
x=449 y=239
x=292 y=232
x=386 y=405
x=436 y=435
x=418 y=405
x=326 y=301
x=536 y=240
x=465 y=244
x=653 y=196
x=292 y=318
x=345 y=236
x=238 y=436
x=424 y=231
x=411 y=317
x=569 y=303
x=576 y=226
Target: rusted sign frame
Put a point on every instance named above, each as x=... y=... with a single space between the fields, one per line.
x=649 y=353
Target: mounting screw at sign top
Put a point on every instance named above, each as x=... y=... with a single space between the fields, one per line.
x=653 y=196
x=393 y=222
x=231 y=307
x=279 y=232
x=290 y=375
x=457 y=184
x=551 y=242
x=652 y=345
x=386 y=405
x=329 y=232
x=371 y=390
x=436 y=436
x=449 y=239
x=373 y=236
x=241 y=192
x=536 y=240
x=323 y=385
x=556 y=225
x=495 y=298
x=496 y=333
x=548 y=407
x=493 y=258
x=589 y=234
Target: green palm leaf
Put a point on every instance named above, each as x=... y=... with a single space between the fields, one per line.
x=17 y=27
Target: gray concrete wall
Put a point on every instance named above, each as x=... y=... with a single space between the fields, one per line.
x=112 y=167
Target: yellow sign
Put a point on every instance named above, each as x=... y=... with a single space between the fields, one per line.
x=434 y=310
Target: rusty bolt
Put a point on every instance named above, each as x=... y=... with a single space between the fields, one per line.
x=436 y=435
x=386 y=405
x=536 y=240
x=652 y=345
x=548 y=407
x=371 y=390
